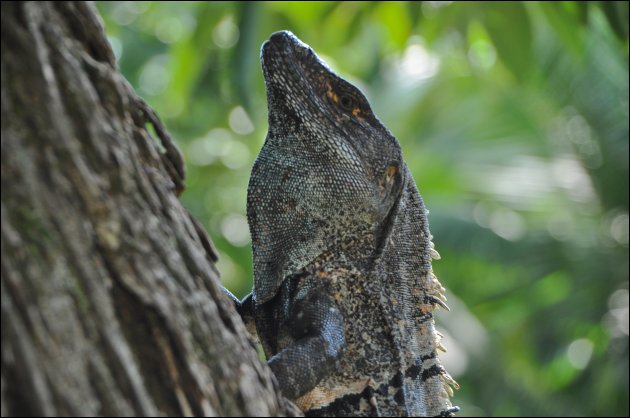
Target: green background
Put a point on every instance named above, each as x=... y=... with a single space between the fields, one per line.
x=513 y=118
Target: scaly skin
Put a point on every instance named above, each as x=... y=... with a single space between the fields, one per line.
x=344 y=293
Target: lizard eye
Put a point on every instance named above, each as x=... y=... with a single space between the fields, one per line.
x=347 y=102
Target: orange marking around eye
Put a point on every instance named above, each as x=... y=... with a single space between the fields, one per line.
x=356 y=112
x=331 y=94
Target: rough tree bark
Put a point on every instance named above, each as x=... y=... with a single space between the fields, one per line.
x=111 y=304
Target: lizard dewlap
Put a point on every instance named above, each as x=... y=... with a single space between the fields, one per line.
x=344 y=293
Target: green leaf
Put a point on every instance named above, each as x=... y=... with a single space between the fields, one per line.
x=509 y=27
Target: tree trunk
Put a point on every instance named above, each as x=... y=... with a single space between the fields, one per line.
x=111 y=304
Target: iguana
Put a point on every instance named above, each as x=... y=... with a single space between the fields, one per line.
x=344 y=293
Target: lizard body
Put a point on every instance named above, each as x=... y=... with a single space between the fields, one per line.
x=344 y=292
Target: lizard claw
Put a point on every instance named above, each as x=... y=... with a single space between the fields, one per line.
x=436 y=301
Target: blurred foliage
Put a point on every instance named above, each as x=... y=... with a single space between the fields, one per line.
x=513 y=118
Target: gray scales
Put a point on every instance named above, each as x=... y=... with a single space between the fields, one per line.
x=344 y=292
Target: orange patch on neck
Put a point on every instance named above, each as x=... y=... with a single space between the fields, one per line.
x=391 y=170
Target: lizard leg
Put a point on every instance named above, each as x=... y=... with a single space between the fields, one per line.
x=316 y=325
x=245 y=309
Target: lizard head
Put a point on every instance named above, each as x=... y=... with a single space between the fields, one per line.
x=329 y=174
x=306 y=99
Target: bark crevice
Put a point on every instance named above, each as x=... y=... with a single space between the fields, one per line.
x=111 y=303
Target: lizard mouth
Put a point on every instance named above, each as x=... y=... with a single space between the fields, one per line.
x=292 y=67
x=287 y=47
x=284 y=40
